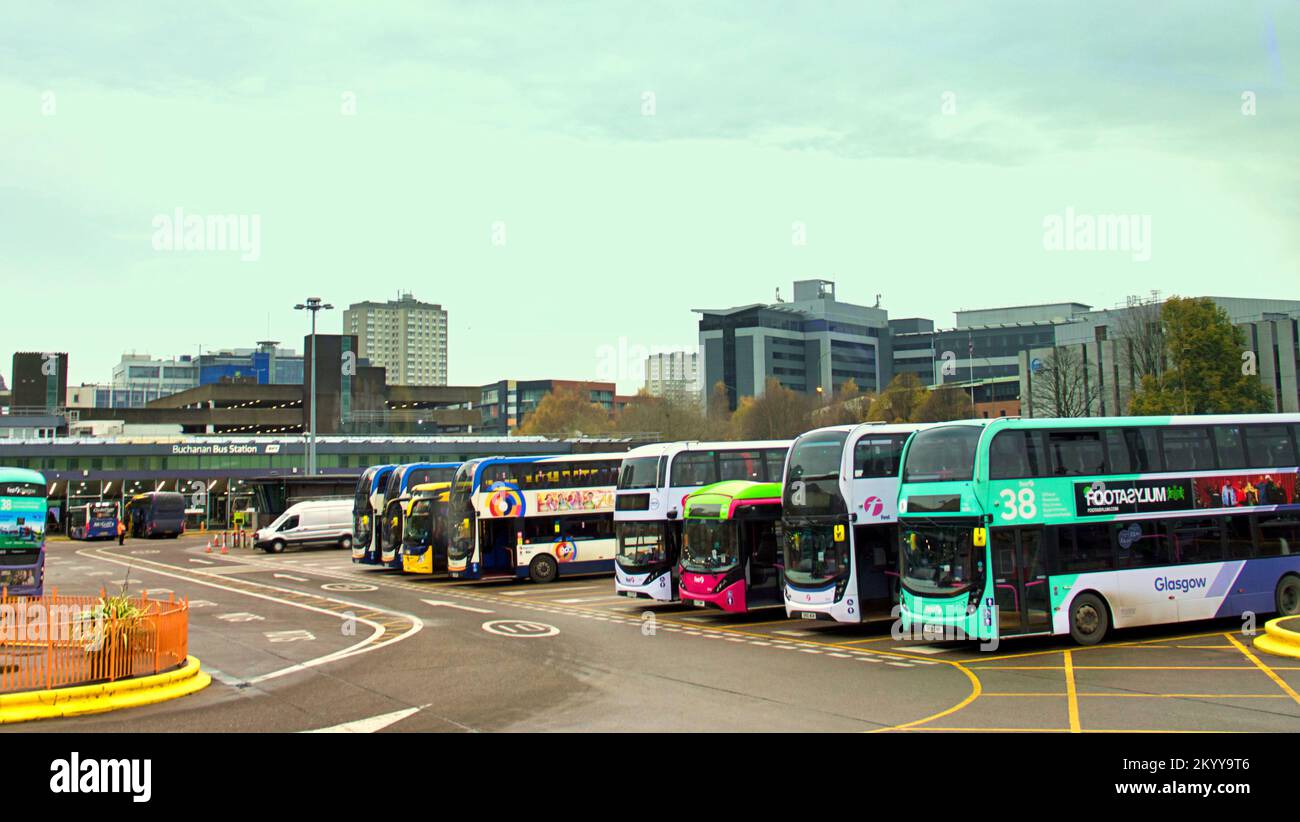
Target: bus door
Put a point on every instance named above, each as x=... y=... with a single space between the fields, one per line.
x=766 y=582
x=875 y=549
x=496 y=540
x=1019 y=580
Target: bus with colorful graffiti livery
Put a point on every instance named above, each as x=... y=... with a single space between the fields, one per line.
x=93 y=520
x=22 y=532
x=424 y=529
x=653 y=482
x=396 y=495
x=731 y=546
x=839 y=521
x=535 y=517
x=1017 y=527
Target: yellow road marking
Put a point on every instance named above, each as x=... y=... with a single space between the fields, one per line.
x=1071 y=691
x=1281 y=683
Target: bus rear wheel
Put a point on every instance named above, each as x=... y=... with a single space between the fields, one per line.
x=543 y=569
x=1287 y=596
x=1089 y=619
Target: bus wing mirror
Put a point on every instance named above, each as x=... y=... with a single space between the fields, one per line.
x=980 y=537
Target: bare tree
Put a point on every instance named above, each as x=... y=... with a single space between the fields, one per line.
x=1140 y=338
x=1059 y=388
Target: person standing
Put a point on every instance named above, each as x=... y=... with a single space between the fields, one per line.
x=121 y=532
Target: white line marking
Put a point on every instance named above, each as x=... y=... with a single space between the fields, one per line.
x=369 y=725
x=290 y=576
x=792 y=633
x=922 y=649
x=201 y=562
x=438 y=603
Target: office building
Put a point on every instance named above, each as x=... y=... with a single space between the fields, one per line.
x=505 y=404
x=813 y=344
x=405 y=337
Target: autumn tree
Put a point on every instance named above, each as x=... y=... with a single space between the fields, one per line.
x=777 y=415
x=1206 y=372
x=1059 y=387
x=718 y=413
x=668 y=419
x=1139 y=338
x=947 y=402
x=900 y=400
x=566 y=411
x=848 y=406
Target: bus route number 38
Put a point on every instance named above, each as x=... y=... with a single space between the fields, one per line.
x=1020 y=505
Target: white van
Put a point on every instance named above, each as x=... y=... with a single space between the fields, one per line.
x=315 y=522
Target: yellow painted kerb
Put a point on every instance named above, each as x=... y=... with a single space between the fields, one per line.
x=1277 y=640
x=105 y=696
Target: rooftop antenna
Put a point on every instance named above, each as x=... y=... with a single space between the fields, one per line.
x=778 y=294
x=877 y=301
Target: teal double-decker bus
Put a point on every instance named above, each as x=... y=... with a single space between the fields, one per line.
x=1015 y=527
x=22 y=532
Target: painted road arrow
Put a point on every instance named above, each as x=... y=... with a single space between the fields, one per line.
x=370 y=725
x=438 y=603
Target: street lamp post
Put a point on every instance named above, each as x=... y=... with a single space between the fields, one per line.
x=313 y=304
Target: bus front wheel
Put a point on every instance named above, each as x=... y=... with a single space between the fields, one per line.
x=543 y=569
x=1089 y=619
x=1287 y=596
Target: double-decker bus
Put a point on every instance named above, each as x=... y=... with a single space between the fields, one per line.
x=396 y=495
x=653 y=482
x=839 y=521
x=1017 y=527
x=731 y=546
x=536 y=517
x=371 y=483
x=424 y=530
x=22 y=532
x=94 y=520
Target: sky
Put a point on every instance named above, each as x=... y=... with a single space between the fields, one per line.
x=569 y=180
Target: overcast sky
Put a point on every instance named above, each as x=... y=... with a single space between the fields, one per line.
x=641 y=160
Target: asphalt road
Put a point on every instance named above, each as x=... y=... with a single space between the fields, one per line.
x=308 y=641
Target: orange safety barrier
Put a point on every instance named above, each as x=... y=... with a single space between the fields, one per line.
x=57 y=641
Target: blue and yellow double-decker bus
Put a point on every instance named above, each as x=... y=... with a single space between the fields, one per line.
x=22 y=532
x=1015 y=527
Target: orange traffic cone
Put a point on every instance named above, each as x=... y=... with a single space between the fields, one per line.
x=212 y=542
x=223 y=544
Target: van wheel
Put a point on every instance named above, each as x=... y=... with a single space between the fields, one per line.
x=346 y=543
x=543 y=569
x=276 y=547
x=1287 y=596
x=1089 y=619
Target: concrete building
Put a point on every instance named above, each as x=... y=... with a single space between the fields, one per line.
x=40 y=382
x=987 y=343
x=813 y=344
x=674 y=375
x=1099 y=344
x=267 y=364
x=912 y=343
x=405 y=337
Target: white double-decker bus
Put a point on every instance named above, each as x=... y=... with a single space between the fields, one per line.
x=652 y=484
x=536 y=517
x=839 y=515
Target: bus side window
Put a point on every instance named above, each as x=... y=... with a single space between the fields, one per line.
x=1239 y=540
x=1117 y=456
x=1085 y=548
x=1232 y=451
x=1141 y=544
x=1269 y=446
x=1187 y=449
x=1144 y=452
x=1279 y=535
x=1197 y=540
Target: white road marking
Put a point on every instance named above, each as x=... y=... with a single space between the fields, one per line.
x=438 y=603
x=289 y=636
x=577 y=600
x=201 y=561
x=369 y=725
x=290 y=576
x=793 y=633
x=240 y=616
x=923 y=649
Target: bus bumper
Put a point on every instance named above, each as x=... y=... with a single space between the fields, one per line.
x=417 y=563
x=730 y=599
x=656 y=585
x=820 y=603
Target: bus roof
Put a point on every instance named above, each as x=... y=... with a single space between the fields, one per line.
x=999 y=423
x=659 y=449
x=20 y=475
x=875 y=427
x=727 y=493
